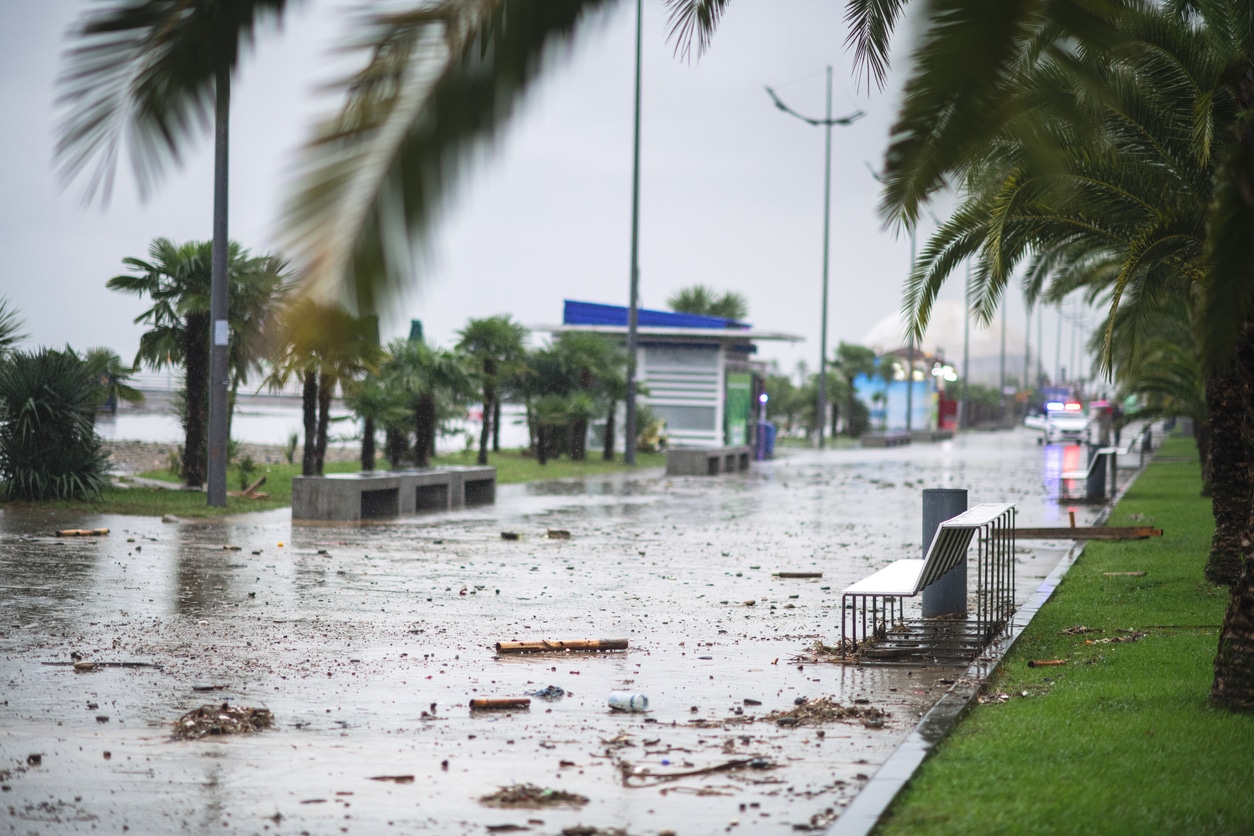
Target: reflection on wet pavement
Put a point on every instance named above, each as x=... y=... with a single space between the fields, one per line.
x=367 y=643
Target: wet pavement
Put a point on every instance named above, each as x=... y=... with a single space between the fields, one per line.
x=368 y=642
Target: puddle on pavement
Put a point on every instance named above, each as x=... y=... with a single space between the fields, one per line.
x=367 y=643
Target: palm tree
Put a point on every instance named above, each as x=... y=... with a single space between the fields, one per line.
x=10 y=328
x=851 y=361
x=329 y=348
x=111 y=374
x=176 y=279
x=425 y=376
x=48 y=444
x=704 y=300
x=495 y=345
x=151 y=72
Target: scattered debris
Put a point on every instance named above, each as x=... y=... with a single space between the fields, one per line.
x=582 y=830
x=797 y=575
x=552 y=692
x=1078 y=630
x=510 y=535
x=559 y=534
x=1123 y=574
x=221 y=719
x=1046 y=663
x=395 y=779
x=83 y=665
x=826 y=710
x=531 y=797
x=1130 y=636
x=578 y=644
x=83 y=532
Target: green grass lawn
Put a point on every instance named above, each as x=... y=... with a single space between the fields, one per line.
x=511 y=467
x=1121 y=739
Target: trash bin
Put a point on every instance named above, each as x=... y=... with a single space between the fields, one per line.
x=768 y=440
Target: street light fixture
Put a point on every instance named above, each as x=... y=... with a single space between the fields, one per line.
x=827 y=212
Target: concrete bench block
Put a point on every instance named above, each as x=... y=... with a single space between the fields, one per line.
x=374 y=495
x=707 y=461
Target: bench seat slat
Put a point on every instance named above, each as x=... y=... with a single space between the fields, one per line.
x=897 y=578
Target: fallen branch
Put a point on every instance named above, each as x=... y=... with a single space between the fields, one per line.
x=83 y=532
x=1046 y=663
x=658 y=778
x=578 y=644
x=797 y=574
x=500 y=702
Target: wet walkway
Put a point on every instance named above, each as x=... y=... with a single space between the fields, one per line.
x=367 y=642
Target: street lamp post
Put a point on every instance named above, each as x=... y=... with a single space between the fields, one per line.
x=827 y=123
x=629 y=454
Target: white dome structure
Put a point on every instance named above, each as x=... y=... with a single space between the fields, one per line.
x=944 y=337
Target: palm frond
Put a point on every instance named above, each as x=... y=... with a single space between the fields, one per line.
x=441 y=81
x=691 y=19
x=141 y=75
x=871 y=25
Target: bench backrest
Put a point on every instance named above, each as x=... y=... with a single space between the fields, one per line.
x=953 y=538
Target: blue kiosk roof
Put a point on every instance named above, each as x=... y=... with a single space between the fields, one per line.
x=592 y=313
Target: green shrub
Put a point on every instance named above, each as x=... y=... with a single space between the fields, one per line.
x=48 y=445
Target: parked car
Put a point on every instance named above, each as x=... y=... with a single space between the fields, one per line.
x=1065 y=423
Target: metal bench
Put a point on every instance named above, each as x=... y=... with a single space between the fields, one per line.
x=877 y=602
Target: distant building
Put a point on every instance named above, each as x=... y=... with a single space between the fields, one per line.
x=697 y=373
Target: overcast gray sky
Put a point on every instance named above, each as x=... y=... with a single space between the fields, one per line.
x=732 y=189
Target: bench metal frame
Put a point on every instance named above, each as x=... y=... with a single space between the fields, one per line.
x=877 y=602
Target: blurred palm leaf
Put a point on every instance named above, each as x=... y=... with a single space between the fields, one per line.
x=142 y=75
x=441 y=81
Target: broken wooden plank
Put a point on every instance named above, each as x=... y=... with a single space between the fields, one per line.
x=1123 y=574
x=797 y=574
x=545 y=646
x=83 y=532
x=1093 y=532
x=500 y=702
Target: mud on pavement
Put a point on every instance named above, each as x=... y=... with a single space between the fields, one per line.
x=366 y=644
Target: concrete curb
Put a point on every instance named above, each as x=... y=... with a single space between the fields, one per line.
x=868 y=807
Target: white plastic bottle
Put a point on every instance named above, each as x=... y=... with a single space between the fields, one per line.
x=627 y=701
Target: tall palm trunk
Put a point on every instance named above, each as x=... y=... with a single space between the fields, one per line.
x=367 y=443
x=1229 y=471
x=325 y=385
x=196 y=353
x=496 y=425
x=485 y=434
x=309 y=407
x=607 y=452
x=424 y=427
x=1233 y=686
x=394 y=440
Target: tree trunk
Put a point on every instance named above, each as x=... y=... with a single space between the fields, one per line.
x=367 y=443
x=309 y=409
x=485 y=434
x=542 y=444
x=1233 y=687
x=395 y=442
x=195 y=439
x=325 y=387
x=424 y=427
x=496 y=425
x=1202 y=440
x=835 y=417
x=578 y=439
x=607 y=452
x=1230 y=477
